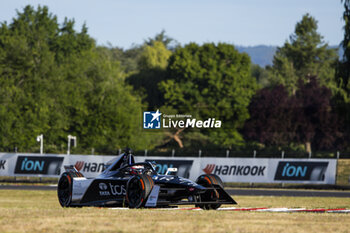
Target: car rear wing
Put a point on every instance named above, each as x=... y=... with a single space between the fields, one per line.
x=72 y=170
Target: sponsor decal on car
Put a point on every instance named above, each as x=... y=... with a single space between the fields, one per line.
x=103 y=189
x=117 y=189
x=80 y=185
x=102 y=186
x=153 y=197
x=110 y=189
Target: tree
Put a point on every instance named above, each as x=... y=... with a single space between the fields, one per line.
x=271 y=117
x=344 y=74
x=128 y=58
x=342 y=100
x=261 y=75
x=316 y=124
x=278 y=119
x=211 y=81
x=167 y=41
x=152 y=70
x=27 y=61
x=54 y=81
x=154 y=56
x=303 y=56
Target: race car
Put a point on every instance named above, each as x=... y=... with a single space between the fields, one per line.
x=125 y=183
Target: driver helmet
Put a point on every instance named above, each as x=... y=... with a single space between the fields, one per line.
x=128 y=158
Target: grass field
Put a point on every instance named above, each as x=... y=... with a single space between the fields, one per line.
x=343 y=172
x=39 y=211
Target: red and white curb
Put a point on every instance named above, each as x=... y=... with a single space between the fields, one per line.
x=261 y=209
x=288 y=210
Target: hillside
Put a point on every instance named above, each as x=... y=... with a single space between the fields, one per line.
x=262 y=55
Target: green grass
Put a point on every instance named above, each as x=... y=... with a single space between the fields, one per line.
x=39 y=211
x=343 y=172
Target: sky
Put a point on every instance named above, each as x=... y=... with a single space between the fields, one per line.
x=239 y=22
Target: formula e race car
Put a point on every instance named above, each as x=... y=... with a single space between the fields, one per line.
x=137 y=185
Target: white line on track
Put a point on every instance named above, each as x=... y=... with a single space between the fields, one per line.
x=276 y=210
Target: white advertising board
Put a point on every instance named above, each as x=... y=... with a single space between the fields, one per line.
x=251 y=170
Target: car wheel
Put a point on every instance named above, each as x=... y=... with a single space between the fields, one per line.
x=64 y=189
x=207 y=181
x=137 y=190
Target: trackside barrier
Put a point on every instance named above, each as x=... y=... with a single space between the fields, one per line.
x=250 y=170
x=50 y=165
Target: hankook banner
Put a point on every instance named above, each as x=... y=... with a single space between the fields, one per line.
x=241 y=170
x=252 y=170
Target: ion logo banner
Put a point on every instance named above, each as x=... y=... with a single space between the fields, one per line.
x=303 y=171
x=38 y=165
x=183 y=166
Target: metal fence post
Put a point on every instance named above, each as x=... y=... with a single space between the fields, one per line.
x=74 y=138
x=254 y=156
x=199 y=153
x=336 y=168
x=172 y=152
x=310 y=155
x=145 y=152
x=282 y=158
x=227 y=153
x=40 y=138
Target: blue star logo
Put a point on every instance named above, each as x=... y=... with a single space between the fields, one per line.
x=151 y=120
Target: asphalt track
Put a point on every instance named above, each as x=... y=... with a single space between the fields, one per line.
x=234 y=192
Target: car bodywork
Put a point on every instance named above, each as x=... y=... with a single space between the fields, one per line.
x=138 y=185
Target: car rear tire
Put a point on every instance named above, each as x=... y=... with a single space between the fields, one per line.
x=64 y=189
x=208 y=180
x=137 y=190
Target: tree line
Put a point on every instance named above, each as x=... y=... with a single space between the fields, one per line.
x=55 y=80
